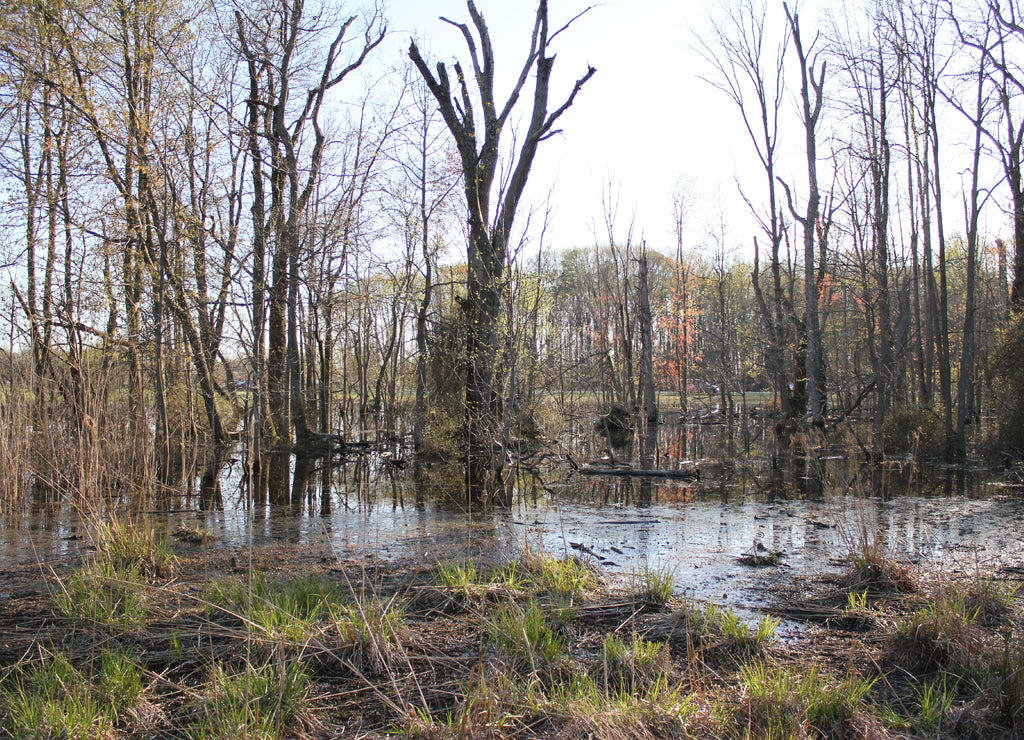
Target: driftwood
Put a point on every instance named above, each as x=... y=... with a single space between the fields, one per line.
x=690 y=473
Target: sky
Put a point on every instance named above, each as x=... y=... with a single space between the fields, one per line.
x=640 y=125
x=648 y=119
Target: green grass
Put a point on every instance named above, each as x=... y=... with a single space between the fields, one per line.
x=546 y=653
x=370 y=632
x=112 y=588
x=53 y=698
x=286 y=610
x=253 y=702
x=942 y=636
x=309 y=615
x=461 y=577
x=129 y=548
x=563 y=577
x=467 y=578
x=101 y=594
x=635 y=665
x=525 y=632
x=655 y=586
x=933 y=701
x=782 y=703
x=714 y=626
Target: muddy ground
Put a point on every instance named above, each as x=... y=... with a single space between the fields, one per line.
x=446 y=674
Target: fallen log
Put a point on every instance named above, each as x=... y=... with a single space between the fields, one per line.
x=690 y=473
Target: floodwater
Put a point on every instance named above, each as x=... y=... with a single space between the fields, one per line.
x=815 y=512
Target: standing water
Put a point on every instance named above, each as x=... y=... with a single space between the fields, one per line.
x=812 y=514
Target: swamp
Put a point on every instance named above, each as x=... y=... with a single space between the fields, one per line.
x=835 y=599
x=315 y=425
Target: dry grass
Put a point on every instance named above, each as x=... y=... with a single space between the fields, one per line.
x=305 y=648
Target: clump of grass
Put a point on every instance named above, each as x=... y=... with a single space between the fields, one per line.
x=460 y=577
x=99 y=593
x=721 y=630
x=856 y=601
x=526 y=633
x=128 y=547
x=286 y=610
x=314 y=618
x=634 y=666
x=1008 y=685
x=53 y=698
x=571 y=704
x=369 y=632
x=781 y=703
x=468 y=580
x=484 y=713
x=254 y=701
x=655 y=586
x=564 y=577
x=653 y=705
x=567 y=578
x=933 y=701
x=877 y=571
x=741 y=638
x=989 y=600
x=940 y=637
x=111 y=588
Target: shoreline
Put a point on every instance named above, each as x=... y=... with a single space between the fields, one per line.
x=532 y=647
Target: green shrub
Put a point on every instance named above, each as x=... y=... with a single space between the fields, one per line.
x=1007 y=376
x=914 y=429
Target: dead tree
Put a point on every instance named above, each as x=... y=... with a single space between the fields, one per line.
x=477 y=133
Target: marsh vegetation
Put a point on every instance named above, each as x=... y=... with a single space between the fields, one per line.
x=144 y=640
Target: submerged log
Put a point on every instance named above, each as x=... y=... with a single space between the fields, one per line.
x=691 y=472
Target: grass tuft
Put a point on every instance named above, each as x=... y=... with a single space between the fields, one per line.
x=525 y=632
x=635 y=666
x=940 y=637
x=261 y=702
x=568 y=578
x=933 y=701
x=1008 y=683
x=129 y=548
x=713 y=628
x=100 y=593
x=368 y=634
x=655 y=586
x=279 y=609
x=781 y=703
x=53 y=698
x=875 y=570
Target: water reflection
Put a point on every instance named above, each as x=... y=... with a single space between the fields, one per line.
x=813 y=507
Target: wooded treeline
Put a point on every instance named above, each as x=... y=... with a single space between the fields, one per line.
x=221 y=233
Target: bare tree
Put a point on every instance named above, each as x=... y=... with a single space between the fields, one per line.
x=813 y=222
x=736 y=51
x=479 y=151
x=272 y=42
x=418 y=199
